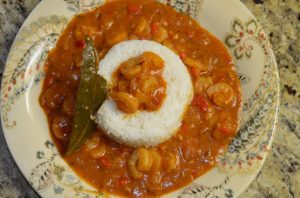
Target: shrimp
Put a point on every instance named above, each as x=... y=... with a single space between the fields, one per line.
x=171 y=162
x=126 y=102
x=221 y=94
x=156 y=161
x=140 y=160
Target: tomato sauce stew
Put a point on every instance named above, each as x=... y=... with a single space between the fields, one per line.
x=208 y=125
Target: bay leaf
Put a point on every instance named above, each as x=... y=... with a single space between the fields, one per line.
x=90 y=95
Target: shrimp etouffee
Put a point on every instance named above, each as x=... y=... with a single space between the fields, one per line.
x=210 y=121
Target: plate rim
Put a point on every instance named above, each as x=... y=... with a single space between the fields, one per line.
x=275 y=120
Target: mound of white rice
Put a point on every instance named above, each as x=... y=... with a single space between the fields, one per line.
x=145 y=128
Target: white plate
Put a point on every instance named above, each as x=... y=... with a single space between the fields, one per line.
x=25 y=125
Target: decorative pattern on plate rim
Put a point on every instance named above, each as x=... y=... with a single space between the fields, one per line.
x=244 y=79
x=248 y=147
x=18 y=79
x=218 y=191
x=191 y=7
x=245 y=153
x=241 y=35
x=80 y=6
x=50 y=173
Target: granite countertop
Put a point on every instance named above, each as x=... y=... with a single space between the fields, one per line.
x=280 y=175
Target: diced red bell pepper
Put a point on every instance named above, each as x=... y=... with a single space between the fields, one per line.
x=182 y=55
x=134 y=9
x=184 y=128
x=201 y=102
x=226 y=131
x=80 y=44
x=105 y=162
x=195 y=72
x=123 y=181
x=154 y=28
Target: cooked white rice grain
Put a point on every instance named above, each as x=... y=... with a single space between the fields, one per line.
x=145 y=128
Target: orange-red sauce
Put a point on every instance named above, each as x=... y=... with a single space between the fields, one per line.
x=208 y=125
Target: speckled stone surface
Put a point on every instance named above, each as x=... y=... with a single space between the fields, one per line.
x=280 y=176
